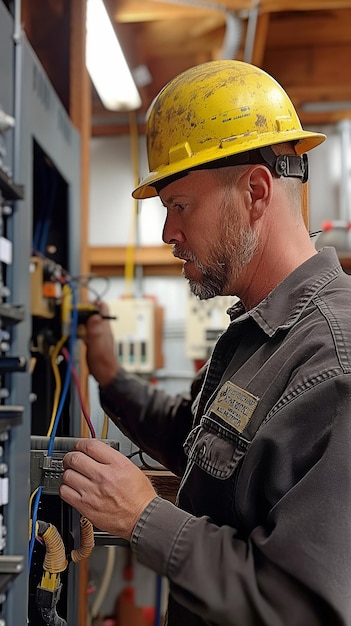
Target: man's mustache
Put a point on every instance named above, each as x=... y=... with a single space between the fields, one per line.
x=185 y=255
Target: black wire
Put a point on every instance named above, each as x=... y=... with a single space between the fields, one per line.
x=147 y=466
x=315 y=233
x=132 y=454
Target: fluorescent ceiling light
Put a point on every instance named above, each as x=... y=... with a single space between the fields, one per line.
x=325 y=107
x=106 y=63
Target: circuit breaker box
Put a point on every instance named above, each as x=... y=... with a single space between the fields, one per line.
x=205 y=321
x=138 y=333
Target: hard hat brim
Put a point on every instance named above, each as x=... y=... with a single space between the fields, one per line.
x=305 y=141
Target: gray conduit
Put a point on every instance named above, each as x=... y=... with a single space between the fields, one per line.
x=232 y=37
x=251 y=32
x=344 y=128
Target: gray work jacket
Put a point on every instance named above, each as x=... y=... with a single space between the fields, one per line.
x=261 y=534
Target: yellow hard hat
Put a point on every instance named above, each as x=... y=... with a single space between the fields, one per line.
x=215 y=110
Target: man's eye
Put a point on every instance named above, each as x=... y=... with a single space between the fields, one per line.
x=179 y=207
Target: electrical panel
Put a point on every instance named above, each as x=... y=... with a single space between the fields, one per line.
x=205 y=321
x=39 y=236
x=137 y=329
x=13 y=354
x=11 y=416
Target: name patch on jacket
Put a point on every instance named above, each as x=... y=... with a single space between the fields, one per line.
x=234 y=405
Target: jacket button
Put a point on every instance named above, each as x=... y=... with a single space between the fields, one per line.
x=202 y=450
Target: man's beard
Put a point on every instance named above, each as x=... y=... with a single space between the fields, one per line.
x=224 y=263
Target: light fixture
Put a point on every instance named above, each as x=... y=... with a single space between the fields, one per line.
x=325 y=107
x=106 y=63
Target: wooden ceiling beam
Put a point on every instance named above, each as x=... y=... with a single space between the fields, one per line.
x=178 y=40
x=151 y=10
x=309 y=30
x=324 y=67
x=302 y=5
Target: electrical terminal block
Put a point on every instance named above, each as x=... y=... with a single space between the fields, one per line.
x=46 y=471
x=52 y=470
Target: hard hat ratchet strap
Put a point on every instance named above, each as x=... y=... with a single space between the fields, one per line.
x=287 y=165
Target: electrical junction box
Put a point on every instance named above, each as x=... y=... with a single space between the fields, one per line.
x=138 y=333
x=205 y=321
x=45 y=288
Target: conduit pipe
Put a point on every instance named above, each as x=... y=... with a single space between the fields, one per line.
x=251 y=32
x=232 y=37
x=344 y=128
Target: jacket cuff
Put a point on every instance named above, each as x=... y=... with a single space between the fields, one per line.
x=156 y=532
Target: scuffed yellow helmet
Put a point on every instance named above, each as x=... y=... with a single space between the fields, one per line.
x=213 y=111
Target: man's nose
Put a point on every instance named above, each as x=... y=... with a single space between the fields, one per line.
x=172 y=232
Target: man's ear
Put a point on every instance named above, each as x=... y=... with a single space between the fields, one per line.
x=260 y=185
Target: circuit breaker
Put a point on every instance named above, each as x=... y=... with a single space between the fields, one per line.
x=138 y=333
x=205 y=321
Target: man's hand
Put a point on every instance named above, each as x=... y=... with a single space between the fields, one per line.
x=100 y=344
x=105 y=487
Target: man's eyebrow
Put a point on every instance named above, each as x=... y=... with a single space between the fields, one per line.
x=175 y=198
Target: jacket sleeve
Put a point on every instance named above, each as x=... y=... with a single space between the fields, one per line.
x=155 y=421
x=293 y=567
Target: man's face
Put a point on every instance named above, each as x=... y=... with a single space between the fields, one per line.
x=206 y=225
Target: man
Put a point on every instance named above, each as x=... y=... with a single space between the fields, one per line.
x=261 y=534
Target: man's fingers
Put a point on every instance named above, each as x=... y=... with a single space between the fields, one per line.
x=97 y=450
x=78 y=495
x=103 y=308
x=90 y=458
x=68 y=493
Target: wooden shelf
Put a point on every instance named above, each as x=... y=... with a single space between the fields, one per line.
x=345 y=263
x=111 y=260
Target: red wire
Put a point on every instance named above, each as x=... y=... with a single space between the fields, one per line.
x=75 y=377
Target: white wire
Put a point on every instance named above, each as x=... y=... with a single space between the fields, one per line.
x=105 y=583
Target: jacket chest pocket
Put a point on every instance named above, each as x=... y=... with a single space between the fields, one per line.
x=215 y=448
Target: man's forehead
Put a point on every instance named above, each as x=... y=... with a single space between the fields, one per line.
x=185 y=185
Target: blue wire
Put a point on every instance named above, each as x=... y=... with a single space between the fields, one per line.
x=73 y=337
x=72 y=340
x=34 y=521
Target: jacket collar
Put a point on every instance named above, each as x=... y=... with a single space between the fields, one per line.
x=285 y=304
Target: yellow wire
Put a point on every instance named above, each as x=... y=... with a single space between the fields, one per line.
x=130 y=252
x=54 y=355
x=104 y=431
x=30 y=523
